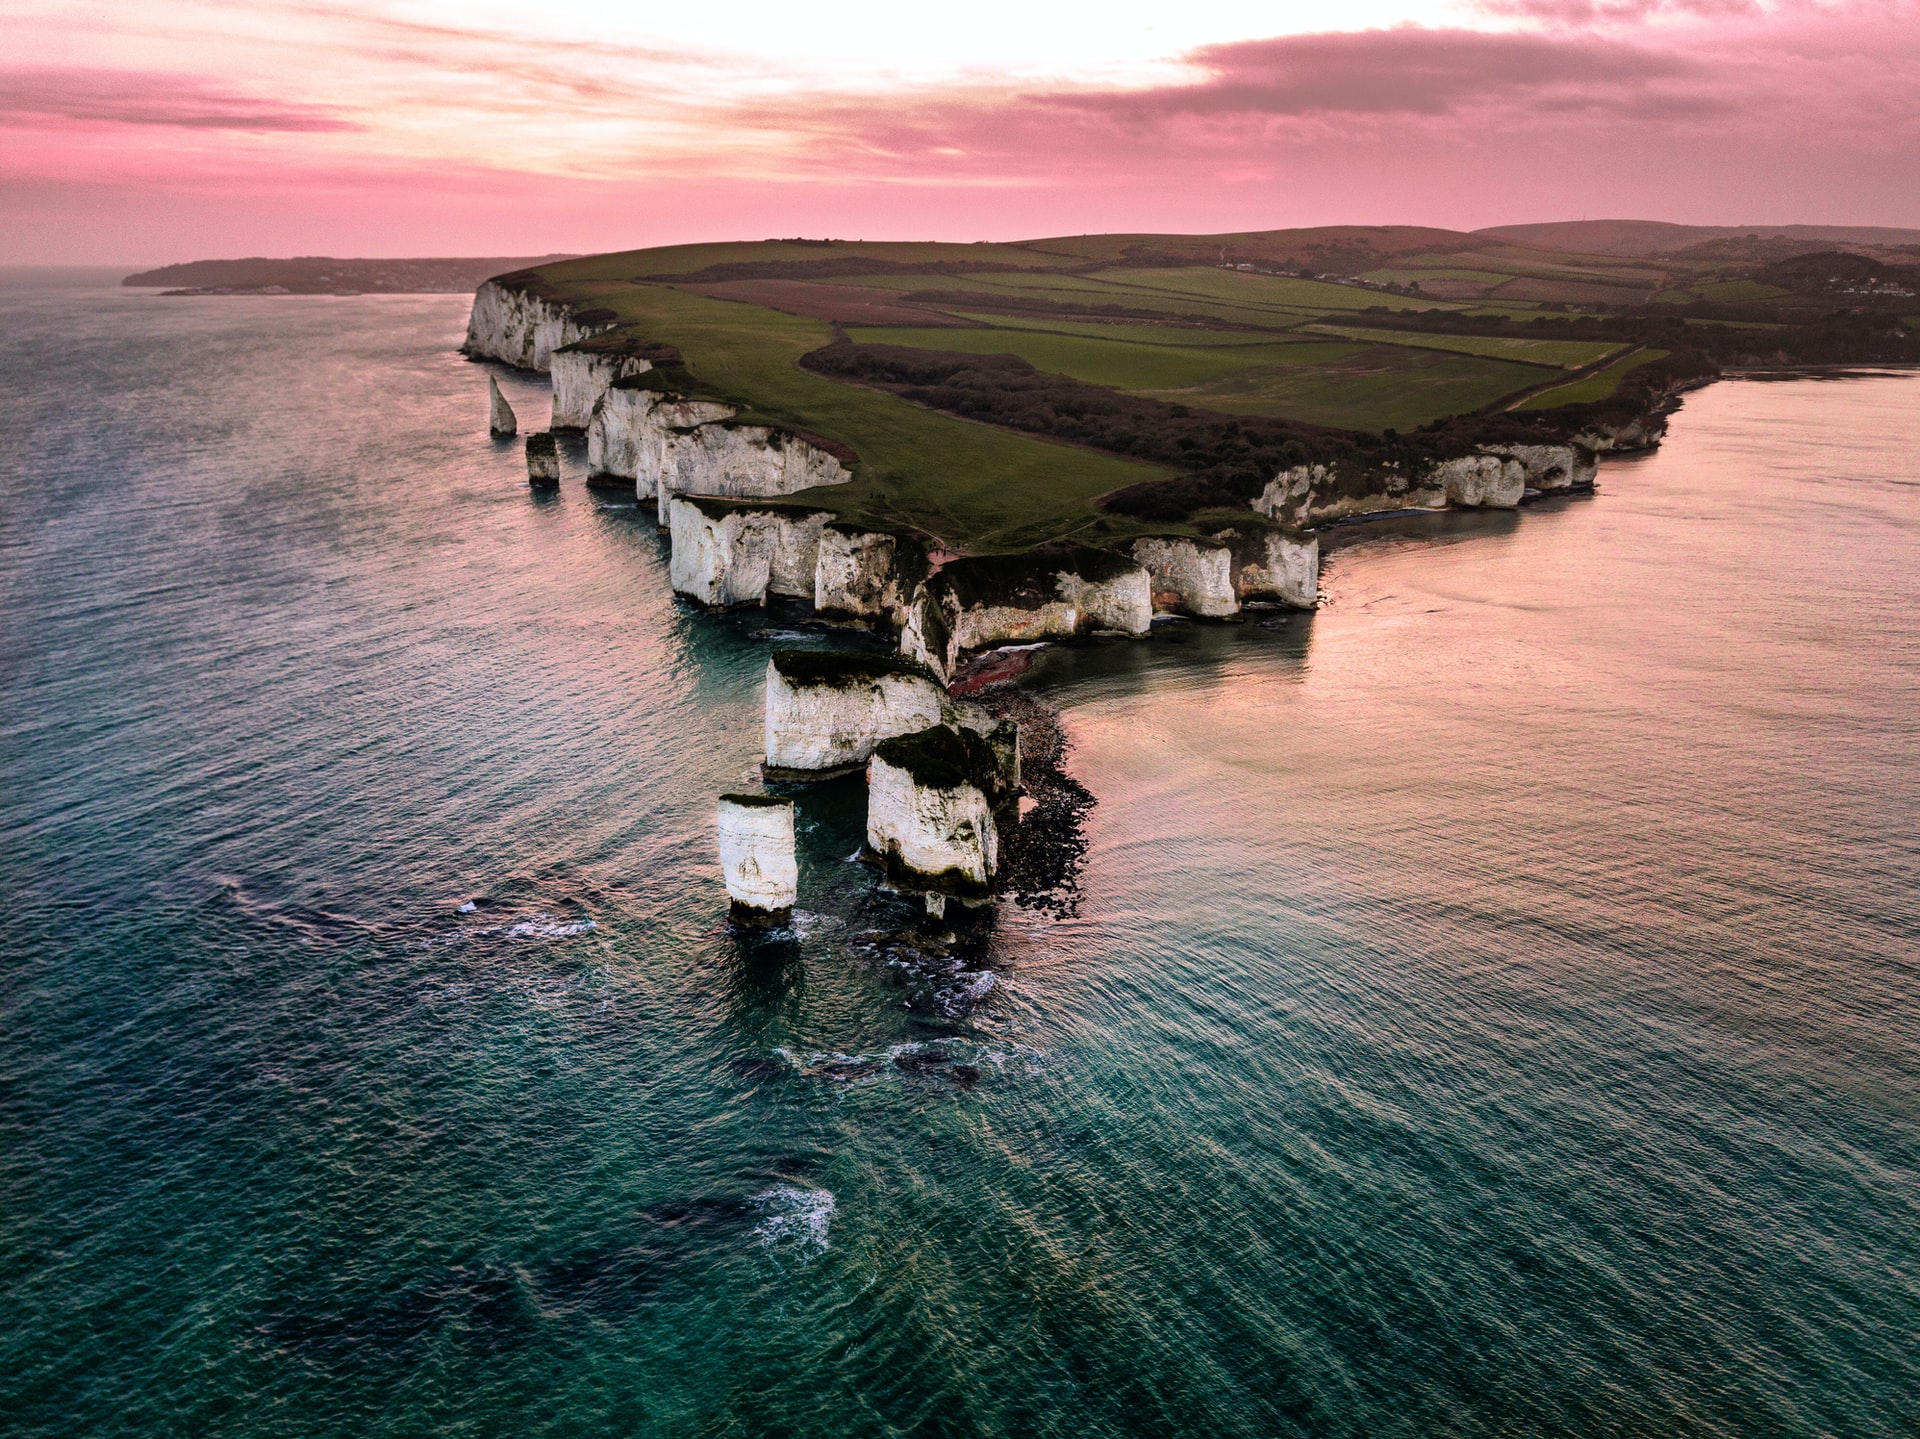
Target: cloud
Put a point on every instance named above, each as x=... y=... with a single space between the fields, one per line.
x=1402 y=71
x=119 y=97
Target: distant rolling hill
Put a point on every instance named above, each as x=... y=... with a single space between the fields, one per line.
x=1647 y=238
x=326 y=275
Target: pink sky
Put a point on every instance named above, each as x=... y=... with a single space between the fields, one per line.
x=140 y=134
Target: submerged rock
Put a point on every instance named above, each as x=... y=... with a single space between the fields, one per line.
x=731 y=552
x=757 y=855
x=827 y=709
x=500 y=418
x=1190 y=576
x=929 y=812
x=543 y=461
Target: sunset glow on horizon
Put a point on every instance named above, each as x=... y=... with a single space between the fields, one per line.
x=207 y=127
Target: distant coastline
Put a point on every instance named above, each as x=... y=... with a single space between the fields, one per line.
x=326 y=275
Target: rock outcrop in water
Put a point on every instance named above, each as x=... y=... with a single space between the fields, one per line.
x=735 y=552
x=827 y=709
x=1191 y=576
x=757 y=856
x=1055 y=592
x=500 y=418
x=543 y=461
x=930 y=809
x=512 y=323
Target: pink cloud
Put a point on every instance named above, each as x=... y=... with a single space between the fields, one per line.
x=122 y=97
x=1693 y=110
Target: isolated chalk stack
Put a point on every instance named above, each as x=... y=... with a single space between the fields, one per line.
x=757 y=856
x=500 y=420
x=543 y=461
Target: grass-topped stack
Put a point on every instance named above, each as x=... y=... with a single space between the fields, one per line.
x=827 y=709
x=930 y=809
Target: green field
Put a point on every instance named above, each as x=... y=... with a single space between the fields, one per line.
x=1123 y=364
x=973 y=485
x=1191 y=320
x=1382 y=387
x=1597 y=386
x=1557 y=354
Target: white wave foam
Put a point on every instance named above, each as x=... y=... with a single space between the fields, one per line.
x=468 y=908
x=796 y=1221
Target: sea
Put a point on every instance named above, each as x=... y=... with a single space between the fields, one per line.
x=1486 y=1006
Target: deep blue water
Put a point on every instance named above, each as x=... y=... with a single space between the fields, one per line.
x=1491 y=1008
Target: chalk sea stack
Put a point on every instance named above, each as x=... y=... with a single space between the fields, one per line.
x=827 y=709
x=757 y=856
x=500 y=420
x=931 y=798
x=543 y=461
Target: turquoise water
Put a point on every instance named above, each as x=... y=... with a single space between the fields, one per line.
x=1490 y=1008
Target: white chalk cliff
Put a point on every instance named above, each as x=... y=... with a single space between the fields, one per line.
x=581 y=376
x=737 y=553
x=862 y=574
x=928 y=822
x=1190 y=576
x=827 y=709
x=1273 y=566
x=757 y=853
x=978 y=602
x=519 y=328
x=629 y=429
x=742 y=462
x=1482 y=481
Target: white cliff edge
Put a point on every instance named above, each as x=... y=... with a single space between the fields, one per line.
x=519 y=328
x=1190 y=576
x=827 y=709
x=732 y=552
x=581 y=375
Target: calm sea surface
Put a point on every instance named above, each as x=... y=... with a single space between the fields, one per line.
x=1492 y=1008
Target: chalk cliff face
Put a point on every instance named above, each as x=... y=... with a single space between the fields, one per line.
x=629 y=429
x=1273 y=565
x=928 y=821
x=1190 y=576
x=757 y=854
x=581 y=377
x=500 y=419
x=729 y=553
x=1483 y=481
x=1550 y=468
x=1303 y=495
x=742 y=461
x=520 y=328
x=867 y=574
x=1053 y=593
x=827 y=709
x=1641 y=432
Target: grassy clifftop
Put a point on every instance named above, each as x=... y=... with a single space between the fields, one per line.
x=1133 y=359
